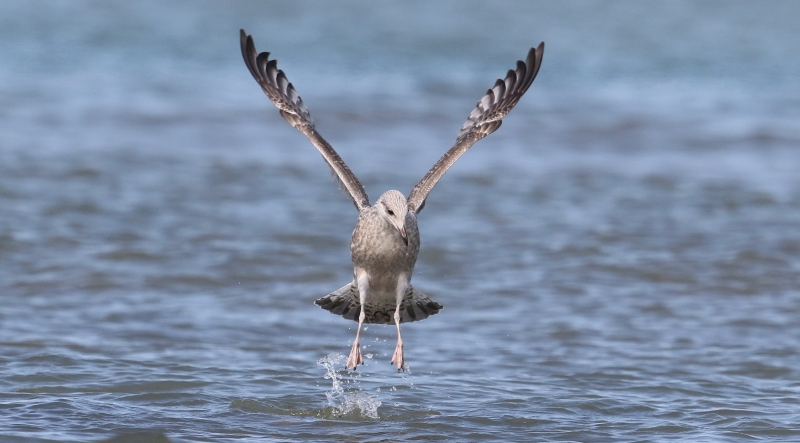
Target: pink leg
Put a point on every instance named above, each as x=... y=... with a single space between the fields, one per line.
x=355 y=352
x=398 y=359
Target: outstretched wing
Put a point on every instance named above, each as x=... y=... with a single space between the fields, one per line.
x=482 y=121
x=282 y=93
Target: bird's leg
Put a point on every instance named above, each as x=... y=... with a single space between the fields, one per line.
x=355 y=352
x=362 y=280
x=397 y=358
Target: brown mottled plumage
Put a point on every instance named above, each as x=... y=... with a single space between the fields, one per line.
x=385 y=242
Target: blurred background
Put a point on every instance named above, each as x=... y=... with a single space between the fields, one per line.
x=623 y=253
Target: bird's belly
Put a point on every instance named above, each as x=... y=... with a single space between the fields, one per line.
x=379 y=306
x=390 y=254
x=383 y=283
x=382 y=296
x=384 y=267
x=378 y=250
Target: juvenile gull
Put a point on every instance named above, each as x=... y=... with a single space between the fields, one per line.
x=385 y=241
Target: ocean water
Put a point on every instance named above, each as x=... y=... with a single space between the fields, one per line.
x=619 y=262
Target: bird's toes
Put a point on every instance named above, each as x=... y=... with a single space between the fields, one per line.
x=355 y=358
x=398 y=359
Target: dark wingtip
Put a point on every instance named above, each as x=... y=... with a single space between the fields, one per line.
x=538 y=55
x=434 y=306
x=243 y=43
x=536 y=52
x=244 y=40
x=249 y=53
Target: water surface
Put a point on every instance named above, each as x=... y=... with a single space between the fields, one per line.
x=619 y=262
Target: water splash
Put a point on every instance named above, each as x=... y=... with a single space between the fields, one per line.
x=345 y=400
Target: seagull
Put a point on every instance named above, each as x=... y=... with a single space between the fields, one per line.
x=385 y=241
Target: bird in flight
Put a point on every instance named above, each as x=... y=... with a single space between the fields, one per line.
x=385 y=241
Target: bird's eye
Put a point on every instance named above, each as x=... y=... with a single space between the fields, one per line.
x=390 y=211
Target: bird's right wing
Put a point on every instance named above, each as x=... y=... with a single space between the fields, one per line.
x=482 y=121
x=282 y=93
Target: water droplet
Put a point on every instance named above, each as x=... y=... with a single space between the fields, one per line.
x=344 y=400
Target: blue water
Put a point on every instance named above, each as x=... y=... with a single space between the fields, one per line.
x=619 y=262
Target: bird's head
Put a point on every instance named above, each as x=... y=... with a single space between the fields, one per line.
x=393 y=207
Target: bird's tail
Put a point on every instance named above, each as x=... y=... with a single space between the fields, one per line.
x=345 y=302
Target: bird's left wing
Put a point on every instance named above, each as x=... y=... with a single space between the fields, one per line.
x=282 y=94
x=482 y=121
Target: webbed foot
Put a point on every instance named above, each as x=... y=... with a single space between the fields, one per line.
x=355 y=356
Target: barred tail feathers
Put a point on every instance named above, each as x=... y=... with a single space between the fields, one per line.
x=345 y=302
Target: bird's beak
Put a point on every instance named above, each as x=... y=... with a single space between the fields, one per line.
x=402 y=230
